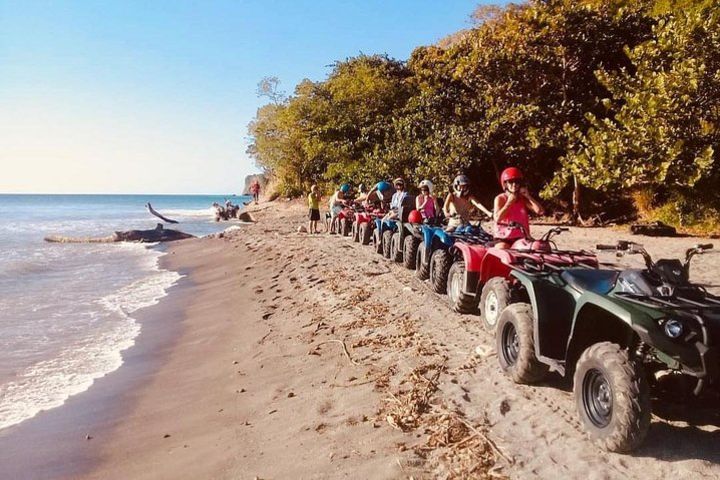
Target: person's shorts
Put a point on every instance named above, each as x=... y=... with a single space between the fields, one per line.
x=314 y=214
x=335 y=211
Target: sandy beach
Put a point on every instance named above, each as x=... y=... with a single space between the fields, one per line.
x=283 y=355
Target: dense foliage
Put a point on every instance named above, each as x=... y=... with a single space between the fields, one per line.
x=618 y=98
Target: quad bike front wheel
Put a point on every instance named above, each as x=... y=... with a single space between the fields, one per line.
x=440 y=262
x=612 y=396
x=422 y=269
x=410 y=249
x=396 y=248
x=516 y=345
x=494 y=298
x=365 y=233
x=387 y=243
x=460 y=301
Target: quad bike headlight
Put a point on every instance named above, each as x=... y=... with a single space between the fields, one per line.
x=673 y=328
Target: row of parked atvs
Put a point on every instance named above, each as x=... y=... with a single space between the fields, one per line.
x=621 y=336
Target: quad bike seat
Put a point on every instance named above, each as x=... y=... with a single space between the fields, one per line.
x=597 y=281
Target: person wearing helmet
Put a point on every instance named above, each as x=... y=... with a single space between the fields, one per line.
x=512 y=206
x=381 y=193
x=397 y=199
x=425 y=202
x=460 y=203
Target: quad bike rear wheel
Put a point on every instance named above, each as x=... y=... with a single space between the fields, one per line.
x=495 y=296
x=460 y=301
x=422 y=269
x=516 y=345
x=387 y=243
x=410 y=249
x=365 y=233
x=396 y=248
x=612 y=396
x=377 y=241
x=440 y=262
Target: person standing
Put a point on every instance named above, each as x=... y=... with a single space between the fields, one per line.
x=255 y=191
x=314 y=204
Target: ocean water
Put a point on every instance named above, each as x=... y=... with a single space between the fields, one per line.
x=66 y=309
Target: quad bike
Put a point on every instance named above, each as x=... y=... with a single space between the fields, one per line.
x=385 y=230
x=362 y=217
x=345 y=218
x=406 y=239
x=434 y=257
x=382 y=235
x=480 y=274
x=617 y=334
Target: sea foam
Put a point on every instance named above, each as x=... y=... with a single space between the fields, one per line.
x=49 y=383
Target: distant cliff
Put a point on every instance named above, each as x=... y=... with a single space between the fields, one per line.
x=260 y=177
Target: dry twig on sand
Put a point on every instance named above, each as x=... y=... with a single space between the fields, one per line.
x=344 y=347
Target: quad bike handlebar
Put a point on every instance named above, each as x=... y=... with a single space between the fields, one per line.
x=624 y=247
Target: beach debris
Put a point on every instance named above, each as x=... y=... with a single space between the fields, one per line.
x=167 y=435
x=272 y=411
x=153 y=212
x=158 y=234
x=344 y=347
x=88 y=437
x=290 y=395
x=302 y=229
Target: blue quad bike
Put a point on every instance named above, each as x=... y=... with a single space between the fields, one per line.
x=382 y=236
x=433 y=257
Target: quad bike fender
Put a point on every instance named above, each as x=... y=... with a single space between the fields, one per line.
x=689 y=354
x=472 y=255
x=600 y=318
x=441 y=239
x=495 y=263
x=427 y=234
x=362 y=218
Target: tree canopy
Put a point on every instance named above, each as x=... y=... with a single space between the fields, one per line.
x=613 y=97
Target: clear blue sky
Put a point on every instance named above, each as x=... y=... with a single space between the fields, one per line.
x=155 y=96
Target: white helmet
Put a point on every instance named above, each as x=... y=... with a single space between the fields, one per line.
x=426 y=183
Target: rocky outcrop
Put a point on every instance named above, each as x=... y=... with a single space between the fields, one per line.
x=260 y=177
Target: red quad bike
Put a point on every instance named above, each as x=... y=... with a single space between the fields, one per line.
x=362 y=226
x=480 y=275
x=345 y=218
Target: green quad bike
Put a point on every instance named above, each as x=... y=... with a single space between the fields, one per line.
x=617 y=334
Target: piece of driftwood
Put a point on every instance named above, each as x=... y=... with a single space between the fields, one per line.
x=154 y=212
x=653 y=229
x=158 y=234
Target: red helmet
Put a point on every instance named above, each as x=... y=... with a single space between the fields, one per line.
x=415 y=217
x=510 y=173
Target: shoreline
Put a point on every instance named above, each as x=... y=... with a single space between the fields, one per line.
x=53 y=443
x=296 y=356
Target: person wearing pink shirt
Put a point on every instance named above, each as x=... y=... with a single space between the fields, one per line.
x=512 y=207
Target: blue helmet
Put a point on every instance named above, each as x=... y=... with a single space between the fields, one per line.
x=383 y=186
x=345 y=188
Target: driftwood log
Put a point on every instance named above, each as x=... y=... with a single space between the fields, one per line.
x=152 y=211
x=158 y=234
